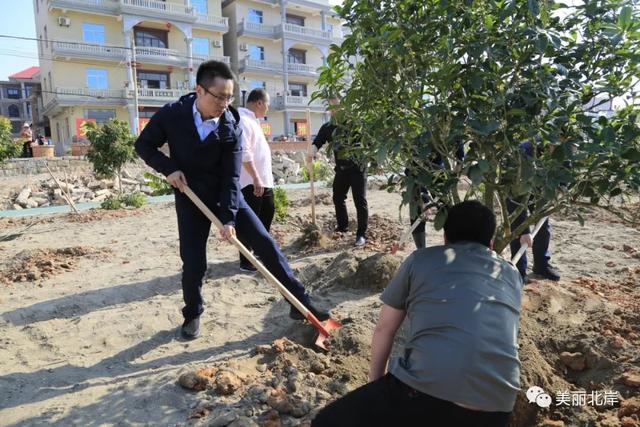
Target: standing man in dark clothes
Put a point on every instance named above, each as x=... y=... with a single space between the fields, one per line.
x=204 y=140
x=350 y=173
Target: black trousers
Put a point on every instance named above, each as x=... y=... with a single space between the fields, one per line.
x=388 y=402
x=264 y=208
x=194 y=227
x=348 y=175
x=540 y=249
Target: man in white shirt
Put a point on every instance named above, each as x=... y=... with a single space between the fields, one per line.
x=256 y=178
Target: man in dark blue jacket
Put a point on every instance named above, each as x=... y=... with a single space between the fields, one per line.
x=204 y=140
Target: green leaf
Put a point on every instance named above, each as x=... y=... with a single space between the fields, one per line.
x=441 y=217
x=534 y=7
x=624 y=19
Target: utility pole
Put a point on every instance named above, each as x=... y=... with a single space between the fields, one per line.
x=134 y=65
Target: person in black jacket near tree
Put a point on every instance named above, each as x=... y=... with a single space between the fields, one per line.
x=204 y=140
x=350 y=173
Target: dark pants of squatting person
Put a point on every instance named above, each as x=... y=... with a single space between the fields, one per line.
x=193 y=229
x=389 y=402
x=541 y=254
x=416 y=205
x=350 y=175
x=264 y=207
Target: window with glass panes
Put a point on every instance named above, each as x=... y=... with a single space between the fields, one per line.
x=200 y=6
x=297 y=56
x=258 y=84
x=298 y=89
x=101 y=116
x=13 y=93
x=255 y=16
x=153 y=79
x=256 y=52
x=295 y=19
x=201 y=46
x=93 y=33
x=97 y=79
x=150 y=37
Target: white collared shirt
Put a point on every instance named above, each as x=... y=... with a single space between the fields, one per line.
x=204 y=127
x=255 y=148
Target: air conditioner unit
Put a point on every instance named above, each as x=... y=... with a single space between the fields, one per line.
x=63 y=21
x=217 y=43
x=244 y=47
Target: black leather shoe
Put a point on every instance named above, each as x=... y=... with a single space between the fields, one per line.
x=548 y=272
x=190 y=330
x=320 y=314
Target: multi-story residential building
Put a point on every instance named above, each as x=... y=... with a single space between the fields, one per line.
x=16 y=97
x=86 y=48
x=279 y=45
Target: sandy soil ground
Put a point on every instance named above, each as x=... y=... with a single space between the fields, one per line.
x=90 y=309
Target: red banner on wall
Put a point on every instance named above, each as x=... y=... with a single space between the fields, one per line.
x=301 y=129
x=142 y=122
x=79 y=122
x=266 y=128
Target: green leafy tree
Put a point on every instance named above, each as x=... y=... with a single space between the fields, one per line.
x=8 y=147
x=281 y=202
x=493 y=75
x=111 y=148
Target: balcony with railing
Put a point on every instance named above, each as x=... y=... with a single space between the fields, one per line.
x=93 y=6
x=146 y=8
x=70 y=49
x=289 y=102
x=160 y=56
x=252 y=29
x=248 y=64
x=71 y=96
x=303 y=70
x=304 y=34
x=198 y=59
x=156 y=97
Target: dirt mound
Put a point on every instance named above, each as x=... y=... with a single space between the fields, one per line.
x=351 y=270
x=282 y=383
x=311 y=239
x=321 y=199
x=40 y=264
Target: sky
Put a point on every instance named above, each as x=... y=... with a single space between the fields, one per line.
x=16 y=19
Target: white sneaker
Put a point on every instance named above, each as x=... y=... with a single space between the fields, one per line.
x=360 y=241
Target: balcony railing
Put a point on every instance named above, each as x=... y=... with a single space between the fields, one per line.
x=256 y=64
x=302 y=69
x=197 y=59
x=245 y=27
x=298 y=102
x=152 y=8
x=159 y=94
x=69 y=48
x=158 y=55
x=305 y=33
x=158 y=6
x=106 y=94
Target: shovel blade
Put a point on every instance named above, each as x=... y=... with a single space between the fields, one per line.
x=324 y=332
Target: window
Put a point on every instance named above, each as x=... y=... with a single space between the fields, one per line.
x=13 y=93
x=256 y=52
x=97 y=79
x=201 y=46
x=14 y=111
x=200 y=6
x=254 y=16
x=16 y=127
x=99 y=115
x=258 y=84
x=149 y=37
x=153 y=80
x=297 y=56
x=147 y=112
x=93 y=33
x=295 y=19
x=298 y=89
x=27 y=90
